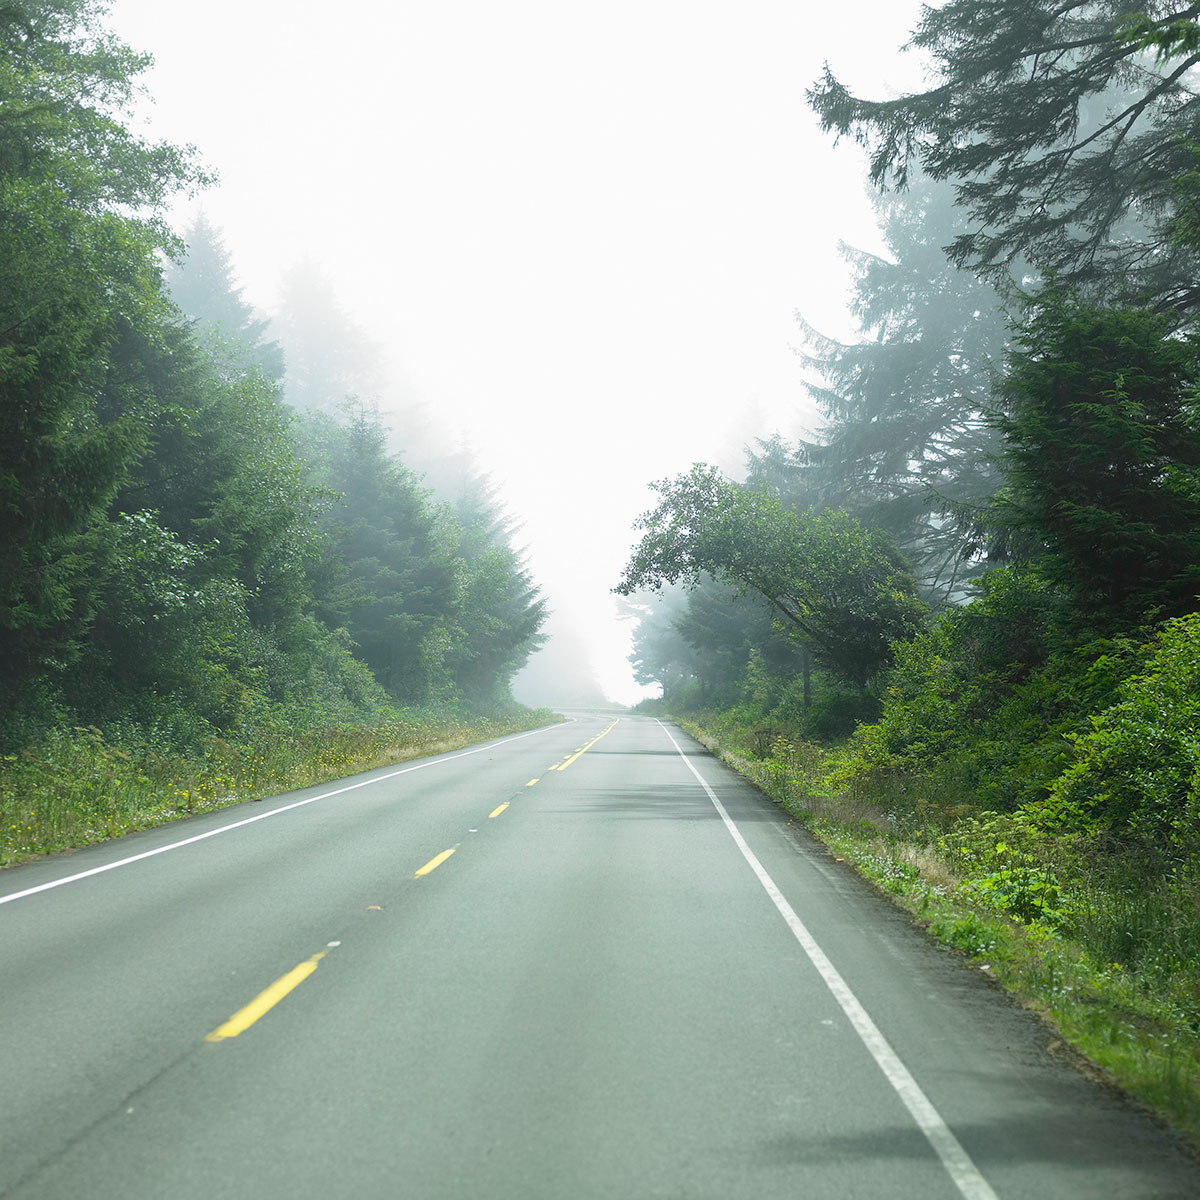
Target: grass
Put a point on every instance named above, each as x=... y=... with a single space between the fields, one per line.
x=74 y=788
x=1103 y=945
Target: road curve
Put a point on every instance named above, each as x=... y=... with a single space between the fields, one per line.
x=585 y=962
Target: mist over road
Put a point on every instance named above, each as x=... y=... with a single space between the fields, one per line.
x=589 y=961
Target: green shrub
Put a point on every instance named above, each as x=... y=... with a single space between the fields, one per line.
x=1136 y=770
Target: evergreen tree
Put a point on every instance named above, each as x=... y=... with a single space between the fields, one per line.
x=391 y=579
x=502 y=610
x=202 y=283
x=330 y=361
x=661 y=656
x=1103 y=451
x=906 y=443
x=1062 y=135
x=81 y=203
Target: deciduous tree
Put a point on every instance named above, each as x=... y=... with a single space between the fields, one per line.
x=841 y=587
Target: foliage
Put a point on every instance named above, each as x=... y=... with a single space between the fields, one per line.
x=905 y=444
x=1136 y=769
x=1060 y=134
x=1103 y=454
x=840 y=587
x=435 y=602
x=78 y=785
x=1006 y=863
x=202 y=283
x=80 y=219
x=979 y=708
x=500 y=609
x=1104 y=945
x=330 y=360
x=167 y=565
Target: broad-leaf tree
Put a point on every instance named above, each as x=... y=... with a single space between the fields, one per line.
x=81 y=217
x=842 y=588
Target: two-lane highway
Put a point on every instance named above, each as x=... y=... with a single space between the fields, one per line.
x=585 y=962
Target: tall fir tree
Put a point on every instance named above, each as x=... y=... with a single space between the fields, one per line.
x=906 y=445
x=1062 y=134
x=203 y=284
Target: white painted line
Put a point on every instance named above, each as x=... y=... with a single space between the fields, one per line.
x=274 y=812
x=959 y=1166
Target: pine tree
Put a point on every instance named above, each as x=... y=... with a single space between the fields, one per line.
x=905 y=444
x=203 y=284
x=1104 y=456
x=331 y=363
x=1062 y=135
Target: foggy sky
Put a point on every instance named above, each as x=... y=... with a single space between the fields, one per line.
x=578 y=230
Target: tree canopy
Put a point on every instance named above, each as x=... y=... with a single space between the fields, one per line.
x=905 y=443
x=170 y=560
x=1103 y=457
x=1061 y=133
x=839 y=586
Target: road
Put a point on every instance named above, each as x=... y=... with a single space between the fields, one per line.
x=589 y=961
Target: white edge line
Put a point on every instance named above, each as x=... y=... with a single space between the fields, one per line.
x=200 y=837
x=959 y=1166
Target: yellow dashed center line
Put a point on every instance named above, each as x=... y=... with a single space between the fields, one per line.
x=265 y=1001
x=435 y=862
x=532 y=782
x=585 y=747
x=497 y=811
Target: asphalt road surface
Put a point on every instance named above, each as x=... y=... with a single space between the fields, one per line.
x=584 y=962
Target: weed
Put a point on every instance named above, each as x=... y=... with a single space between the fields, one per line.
x=76 y=787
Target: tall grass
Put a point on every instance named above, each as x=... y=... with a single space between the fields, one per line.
x=73 y=786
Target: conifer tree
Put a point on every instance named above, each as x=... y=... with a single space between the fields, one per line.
x=1103 y=454
x=905 y=445
x=202 y=283
x=81 y=219
x=1062 y=134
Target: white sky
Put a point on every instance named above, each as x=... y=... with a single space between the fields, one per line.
x=579 y=229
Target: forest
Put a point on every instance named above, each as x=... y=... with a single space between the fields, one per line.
x=955 y=630
x=219 y=575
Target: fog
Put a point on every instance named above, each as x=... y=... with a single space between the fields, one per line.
x=577 y=232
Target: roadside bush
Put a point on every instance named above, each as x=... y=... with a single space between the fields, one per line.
x=1136 y=770
x=987 y=700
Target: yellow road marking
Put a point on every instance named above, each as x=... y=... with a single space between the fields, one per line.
x=497 y=811
x=532 y=782
x=265 y=1001
x=436 y=861
x=587 y=746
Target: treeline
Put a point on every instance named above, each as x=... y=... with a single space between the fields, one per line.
x=183 y=555
x=977 y=586
x=993 y=543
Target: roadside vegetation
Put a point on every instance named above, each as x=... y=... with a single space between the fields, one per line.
x=219 y=575
x=955 y=630
x=1100 y=938
x=74 y=787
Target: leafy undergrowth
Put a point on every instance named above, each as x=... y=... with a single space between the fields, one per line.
x=1103 y=946
x=75 y=787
